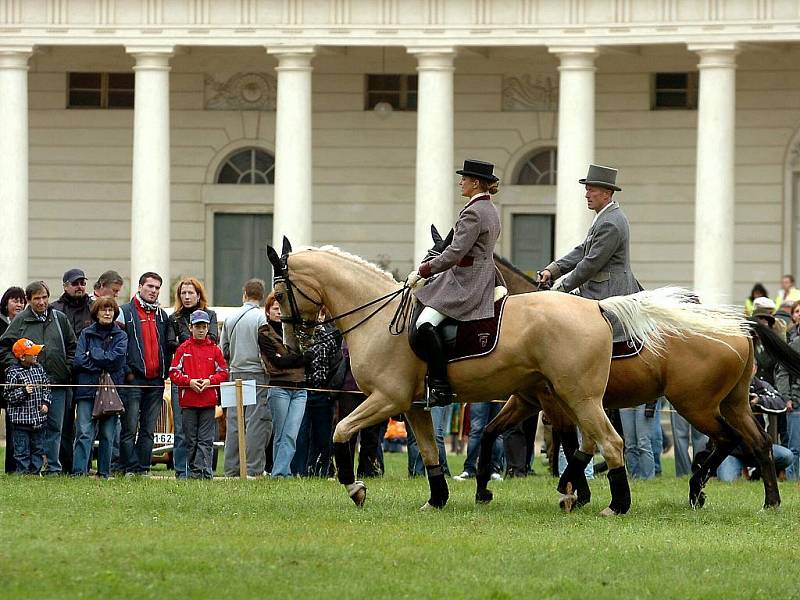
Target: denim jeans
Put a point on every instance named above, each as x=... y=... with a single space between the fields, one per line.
x=67 y=430
x=28 y=450
x=179 y=445
x=731 y=468
x=681 y=433
x=441 y=416
x=258 y=428
x=638 y=442
x=480 y=413
x=142 y=406
x=657 y=437
x=793 y=436
x=287 y=406
x=84 y=439
x=52 y=429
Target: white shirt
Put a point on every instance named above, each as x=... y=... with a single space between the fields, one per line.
x=604 y=209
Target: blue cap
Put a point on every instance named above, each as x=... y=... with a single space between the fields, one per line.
x=199 y=316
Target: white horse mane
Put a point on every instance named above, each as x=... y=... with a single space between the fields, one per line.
x=352 y=258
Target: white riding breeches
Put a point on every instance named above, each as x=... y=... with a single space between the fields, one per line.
x=430 y=315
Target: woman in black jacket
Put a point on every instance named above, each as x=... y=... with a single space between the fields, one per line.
x=12 y=303
x=189 y=297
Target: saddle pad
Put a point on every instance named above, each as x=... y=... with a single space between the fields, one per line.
x=626 y=349
x=477 y=338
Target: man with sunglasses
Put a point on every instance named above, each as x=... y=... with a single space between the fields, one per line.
x=76 y=303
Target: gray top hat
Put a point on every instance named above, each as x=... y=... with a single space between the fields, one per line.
x=601 y=177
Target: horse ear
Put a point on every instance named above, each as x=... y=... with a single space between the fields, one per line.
x=449 y=239
x=435 y=235
x=274 y=259
x=287 y=246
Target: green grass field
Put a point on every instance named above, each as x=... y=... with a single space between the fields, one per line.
x=161 y=538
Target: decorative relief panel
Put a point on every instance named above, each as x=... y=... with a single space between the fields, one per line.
x=241 y=91
x=530 y=93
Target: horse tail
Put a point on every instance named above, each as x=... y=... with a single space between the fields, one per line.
x=650 y=316
x=778 y=349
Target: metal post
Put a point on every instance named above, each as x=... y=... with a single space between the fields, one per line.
x=240 y=424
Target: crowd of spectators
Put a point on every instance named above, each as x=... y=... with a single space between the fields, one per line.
x=70 y=342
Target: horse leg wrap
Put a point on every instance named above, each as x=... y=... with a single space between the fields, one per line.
x=620 y=490
x=575 y=474
x=439 y=491
x=344 y=463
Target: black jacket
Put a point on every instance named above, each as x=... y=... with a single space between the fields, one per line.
x=77 y=311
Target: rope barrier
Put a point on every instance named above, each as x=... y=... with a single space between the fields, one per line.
x=258 y=386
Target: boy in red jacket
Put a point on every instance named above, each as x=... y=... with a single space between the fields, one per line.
x=197 y=368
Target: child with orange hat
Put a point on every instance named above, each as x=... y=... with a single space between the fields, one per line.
x=28 y=396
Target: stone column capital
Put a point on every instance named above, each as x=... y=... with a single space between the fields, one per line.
x=716 y=55
x=151 y=58
x=575 y=58
x=292 y=58
x=15 y=57
x=433 y=58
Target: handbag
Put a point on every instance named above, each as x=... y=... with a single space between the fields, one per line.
x=107 y=402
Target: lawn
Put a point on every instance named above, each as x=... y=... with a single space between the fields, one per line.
x=161 y=538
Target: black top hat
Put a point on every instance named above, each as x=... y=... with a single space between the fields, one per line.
x=479 y=170
x=604 y=177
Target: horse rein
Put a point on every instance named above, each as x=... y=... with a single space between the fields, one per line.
x=296 y=320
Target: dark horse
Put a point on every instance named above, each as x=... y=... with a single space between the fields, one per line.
x=704 y=378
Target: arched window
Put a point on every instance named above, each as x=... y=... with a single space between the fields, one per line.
x=250 y=166
x=538 y=168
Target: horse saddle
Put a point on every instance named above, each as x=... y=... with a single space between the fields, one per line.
x=462 y=339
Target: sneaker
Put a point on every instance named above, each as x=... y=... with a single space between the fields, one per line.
x=497 y=477
x=464 y=476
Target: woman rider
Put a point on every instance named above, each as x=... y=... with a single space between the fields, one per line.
x=464 y=290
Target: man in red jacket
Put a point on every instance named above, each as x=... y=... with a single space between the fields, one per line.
x=197 y=369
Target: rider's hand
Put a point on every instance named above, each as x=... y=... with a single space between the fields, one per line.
x=545 y=276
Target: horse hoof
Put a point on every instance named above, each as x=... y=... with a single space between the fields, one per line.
x=358 y=493
x=699 y=501
x=608 y=512
x=427 y=507
x=568 y=500
x=484 y=497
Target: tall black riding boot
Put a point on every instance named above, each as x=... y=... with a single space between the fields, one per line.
x=439 y=392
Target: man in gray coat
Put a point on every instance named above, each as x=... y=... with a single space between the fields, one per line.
x=600 y=265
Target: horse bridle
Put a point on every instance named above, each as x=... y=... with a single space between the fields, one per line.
x=301 y=326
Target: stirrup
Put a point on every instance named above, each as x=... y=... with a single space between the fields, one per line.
x=435 y=397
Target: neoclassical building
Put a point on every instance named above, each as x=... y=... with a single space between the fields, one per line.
x=181 y=136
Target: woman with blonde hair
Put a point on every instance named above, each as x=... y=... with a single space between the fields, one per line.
x=190 y=295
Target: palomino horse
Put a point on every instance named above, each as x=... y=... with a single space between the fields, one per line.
x=705 y=377
x=548 y=338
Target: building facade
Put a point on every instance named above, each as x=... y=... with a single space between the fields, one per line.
x=182 y=135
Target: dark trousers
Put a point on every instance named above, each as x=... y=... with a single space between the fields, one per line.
x=518 y=447
x=198 y=429
x=314 y=447
x=142 y=406
x=67 y=431
x=370 y=454
x=10 y=465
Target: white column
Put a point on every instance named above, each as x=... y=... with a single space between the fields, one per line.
x=14 y=165
x=714 y=183
x=435 y=174
x=150 y=193
x=575 y=143
x=293 y=179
